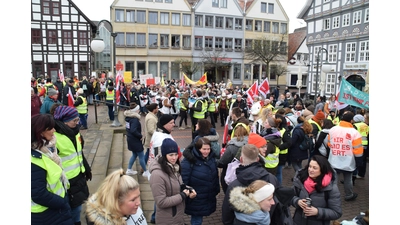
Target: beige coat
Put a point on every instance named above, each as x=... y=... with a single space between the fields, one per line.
x=150 y=124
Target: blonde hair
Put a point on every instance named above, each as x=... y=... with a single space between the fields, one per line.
x=265 y=113
x=254 y=186
x=113 y=190
x=240 y=132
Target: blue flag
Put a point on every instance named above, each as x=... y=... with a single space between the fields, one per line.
x=352 y=96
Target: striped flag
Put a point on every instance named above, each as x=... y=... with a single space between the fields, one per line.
x=182 y=82
x=118 y=79
x=71 y=100
x=226 y=136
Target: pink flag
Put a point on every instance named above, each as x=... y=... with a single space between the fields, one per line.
x=264 y=88
x=118 y=79
x=252 y=91
x=183 y=82
x=61 y=75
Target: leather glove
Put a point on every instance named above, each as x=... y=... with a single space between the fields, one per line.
x=359 y=161
x=88 y=175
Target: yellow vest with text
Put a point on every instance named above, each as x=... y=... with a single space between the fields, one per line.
x=82 y=108
x=110 y=95
x=201 y=114
x=284 y=151
x=363 y=129
x=53 y=179
x=272 y=160
x=72 y=160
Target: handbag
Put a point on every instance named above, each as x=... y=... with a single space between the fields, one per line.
x=231 y=171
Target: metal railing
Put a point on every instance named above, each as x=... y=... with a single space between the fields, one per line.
x=99 y=101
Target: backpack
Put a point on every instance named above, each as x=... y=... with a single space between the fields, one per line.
x=307 y=144
x=281 y=214
x=216 y=148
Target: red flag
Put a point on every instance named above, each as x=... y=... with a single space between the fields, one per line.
x=252 y=91
x=226 y=128
x=339 y=105
x=118 y=79
x=183 y=82
x=61 y=75
x=70 y=98
x=264 y=88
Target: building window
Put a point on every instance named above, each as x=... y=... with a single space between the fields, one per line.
x=36 y=36
x=130 y=16
x=153 y=16
x=263 y=7
x=130 y=39
x=186 y=41
x=82 y=38
x=83 y=69
x=271 y=8
x=153 y=68
x=267 y=26
x=238 y=44
x=223 y=4
x=141 y=40
x=186 y=20
x=141 y=68
x=175 y=41
x=228 y=23
x=209 y=22
x=119 y=15
x=67 y=37
x=228 y=43
x=51 y=37
x=332 y=53
x=283 y=48
x=141 y=16
x=208 y=43
x=176 y=19
x=198 y=20
x=327 y=24
x=249 y=25
x=350 y=52
x=164 y=18
x=330 y=83
x=238 y=24
x=164 y=40
x=218 y=42
x=37 y=69
x=316 y=50
x=68 y=69
x=258 y=25
x=153 y=40
x=364 y=51
x=357 y=17
x=164 y=69
x=366 y=18
x=198 y=42
x=248 y=43
x=236 y=71
x=275 y=27
x=219 y=22
x=215 y=3
x=346 y=20
x=283 y=28
x=335 y=22
x=51 y=8
x=130 y=66
x=120 y=39
x=168 y=1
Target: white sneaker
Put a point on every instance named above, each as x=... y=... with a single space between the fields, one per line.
x=146 y=174
x=130 y=172
x=181 y=128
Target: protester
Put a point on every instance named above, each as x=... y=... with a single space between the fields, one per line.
x=150 y=126
x=116 y=201
x=296 y=155
x=81 y=106
x=36 y=104
x=49 y=100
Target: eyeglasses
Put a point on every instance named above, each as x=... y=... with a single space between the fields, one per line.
x=75 y=120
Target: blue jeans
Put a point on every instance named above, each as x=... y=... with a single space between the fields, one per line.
x=83 y=120
x=348 y=182
x=76 y=213
x=90 y=99
x=196 y=220
x=279 y=174
x=146 y=155
x=110 y=106
x=141 y=160
x=153 y=215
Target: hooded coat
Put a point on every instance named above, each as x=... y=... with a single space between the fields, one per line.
x=247 y=210
x=201 y=174
x=245 y=176
x=230 y=153
x=133 y=131
x=295 y=153
x=328 y=202
x=166 y=190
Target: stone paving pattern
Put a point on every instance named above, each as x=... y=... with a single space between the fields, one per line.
x=105 y=149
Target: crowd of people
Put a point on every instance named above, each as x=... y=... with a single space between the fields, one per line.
x=265 y=134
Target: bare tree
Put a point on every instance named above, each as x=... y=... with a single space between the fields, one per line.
x=279 y=71
x=214 y=59
x=266 y=50
x=187 y=67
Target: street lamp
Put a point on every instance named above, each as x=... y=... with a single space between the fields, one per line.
x=97 y=45
x=325 y=68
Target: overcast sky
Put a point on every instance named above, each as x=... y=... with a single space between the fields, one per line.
x=100 y=9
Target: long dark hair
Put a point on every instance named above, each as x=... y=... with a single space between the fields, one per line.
x=39 y=124
x=325 y=168
x=166 y=168
x=204 y=127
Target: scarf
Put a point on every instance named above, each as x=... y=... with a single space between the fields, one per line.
x=310 y=184
x=175 y=168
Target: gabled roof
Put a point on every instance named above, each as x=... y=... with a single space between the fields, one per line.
x=245 y=4
x=305 y=9
x=93 y=25
x=296 y=39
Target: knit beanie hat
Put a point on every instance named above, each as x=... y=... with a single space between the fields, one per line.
x=65 y=113
x=164 y=119
x=358 y=118
x=348 y=117
x=319 y=116
x=168 y=146
x=256 y=140
x=51 y=92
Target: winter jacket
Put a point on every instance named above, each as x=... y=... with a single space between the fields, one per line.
x=230 y=152
x=133 y=131
x=247 y=209
x=201 y=174
x=150 y=124
x=245 y=176
x=170 y=203
x=59 y=211
x=328 y=203
x=307 y=114
x=47 y=104
x=295 y=154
